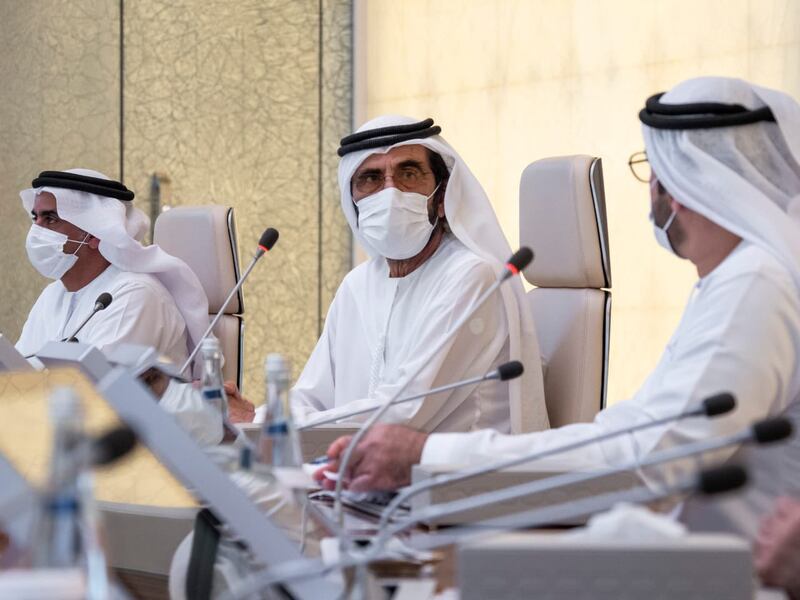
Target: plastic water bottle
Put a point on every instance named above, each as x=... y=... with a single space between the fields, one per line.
x=212 y=386
x=57 y=535
x=279 y=444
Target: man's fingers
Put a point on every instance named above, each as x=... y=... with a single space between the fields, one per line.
x=364 y=482
x=338 y=446
x=319 y=474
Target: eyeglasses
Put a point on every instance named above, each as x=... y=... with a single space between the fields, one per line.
x=640 y=166
x=407 y=178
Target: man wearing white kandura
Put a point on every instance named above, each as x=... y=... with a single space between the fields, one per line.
x=725 y=195
x=435 y=247
x=85 y=236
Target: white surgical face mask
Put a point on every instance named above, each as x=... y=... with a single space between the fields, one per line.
x=395 y=223
x=201 y=419
x=661 y=232
x=46 y=251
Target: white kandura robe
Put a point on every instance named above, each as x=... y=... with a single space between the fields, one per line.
x=142 y=311
x=379 y=329
x=740 y=333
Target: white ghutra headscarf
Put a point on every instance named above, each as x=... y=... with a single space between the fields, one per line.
x=472 y=220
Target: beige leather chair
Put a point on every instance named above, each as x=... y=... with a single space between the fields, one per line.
x=562 y=217
x=204 y=237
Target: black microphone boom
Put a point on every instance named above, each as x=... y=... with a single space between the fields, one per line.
x=102 y=303
x=265 y=243
x=772 y=430
x=519 y=260
x=104 y=300
x=719 y=404
x=718 y=480
x=510 y=370
x=268 y=239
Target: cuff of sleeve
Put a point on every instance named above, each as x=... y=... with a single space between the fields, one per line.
x=441 y=448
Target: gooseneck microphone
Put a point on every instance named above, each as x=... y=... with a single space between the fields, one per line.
x=712 y=406
x=102 y=302
x=518 y=261
x=505 y=372
x=762 y=432
x=265 y=244
x=709 y=482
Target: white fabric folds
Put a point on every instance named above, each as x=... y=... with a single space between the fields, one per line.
x=119 y=226
x=472 y=220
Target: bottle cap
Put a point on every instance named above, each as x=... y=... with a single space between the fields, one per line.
x=209 y=344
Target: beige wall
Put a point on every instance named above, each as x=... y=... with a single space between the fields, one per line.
x=514 y=81
x=59 y=68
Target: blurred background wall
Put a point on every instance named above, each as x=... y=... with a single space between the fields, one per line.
x=236 y=103
x=512 y=81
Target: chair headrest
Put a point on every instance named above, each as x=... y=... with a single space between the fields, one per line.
x=204 y=237
x=562 y=217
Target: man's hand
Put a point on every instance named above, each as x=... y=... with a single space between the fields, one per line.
x=777 y=548
x=240 y=410
x=381 y=461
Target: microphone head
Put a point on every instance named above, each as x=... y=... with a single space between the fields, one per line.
x=519 y=260
x=113 y=445
x=103 y=300
x=721 y=479
x=268 y=239
x=510 y=370
x=719 y=404
x=772 y=430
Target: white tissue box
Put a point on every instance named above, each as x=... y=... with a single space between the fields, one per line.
x=561 y=567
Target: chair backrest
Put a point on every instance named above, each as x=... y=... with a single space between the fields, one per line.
x=562 y=217
x=204 y=237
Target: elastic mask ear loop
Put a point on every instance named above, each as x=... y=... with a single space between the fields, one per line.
x=438 y=185
x=669 y=221
x=81 y=243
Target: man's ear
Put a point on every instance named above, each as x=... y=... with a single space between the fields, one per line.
x=93 y=242
x=675 y=205
x=441 y=193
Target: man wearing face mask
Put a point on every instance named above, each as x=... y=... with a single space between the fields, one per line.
x=725 y=194
x=85 y=236
x=435 y=247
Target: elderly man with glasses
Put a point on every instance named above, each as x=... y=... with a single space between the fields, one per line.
x=725 y=195
x=435 y=247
